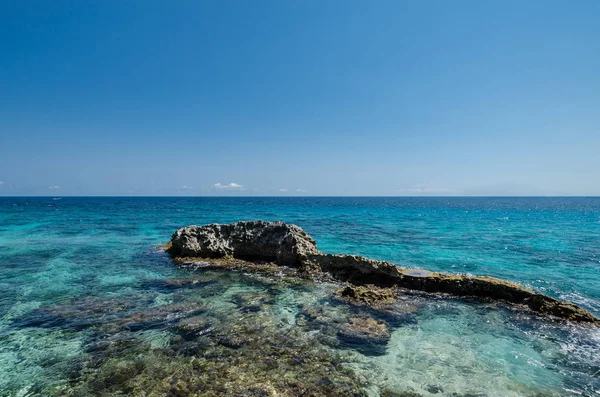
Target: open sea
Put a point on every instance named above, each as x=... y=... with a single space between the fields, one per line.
x=88 y=305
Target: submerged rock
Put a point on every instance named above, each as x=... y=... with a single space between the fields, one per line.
x=407 y=393
x=289 y=245
x=160 y=316
x=80 y=313
x=341 y=325
x=372 y=296
x=194 y=326
x=252 y=298
x=322 y=316
x=364 y=330
x=170 y=284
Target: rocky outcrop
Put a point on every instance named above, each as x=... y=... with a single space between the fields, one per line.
x=289 y=245
x=359 y=270
x=250 y=240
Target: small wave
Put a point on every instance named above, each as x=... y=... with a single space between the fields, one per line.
x=581 y=300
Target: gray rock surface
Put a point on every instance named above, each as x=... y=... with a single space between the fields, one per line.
x=249 y=240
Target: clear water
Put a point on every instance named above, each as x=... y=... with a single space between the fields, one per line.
x=63 y=262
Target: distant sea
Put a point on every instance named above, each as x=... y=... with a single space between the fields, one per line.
x=54 y=251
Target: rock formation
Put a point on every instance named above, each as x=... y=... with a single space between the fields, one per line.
x=289 y=245
x=251 y=240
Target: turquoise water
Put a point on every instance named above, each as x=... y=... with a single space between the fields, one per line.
x=57 y=256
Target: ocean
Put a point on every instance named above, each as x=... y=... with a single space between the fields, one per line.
x=88 y=305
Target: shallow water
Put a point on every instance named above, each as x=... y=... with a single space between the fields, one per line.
x=85 y=308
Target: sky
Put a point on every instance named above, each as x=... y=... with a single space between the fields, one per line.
x=287 y=97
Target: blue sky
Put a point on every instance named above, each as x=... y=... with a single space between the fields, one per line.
x=300 y=98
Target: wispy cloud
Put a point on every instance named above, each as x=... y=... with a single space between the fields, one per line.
x=424 y=188
x=230 y=186
x=54 y=187
x=1 y=183
x=510 y=189
x=187 y=187
x=283 y=190
x=299 y=190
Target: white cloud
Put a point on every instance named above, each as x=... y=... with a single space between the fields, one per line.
x=299 y=190
x=283 y=190
x=54 y=187
x=187 y=187
x=230 y=186
x=1 y=182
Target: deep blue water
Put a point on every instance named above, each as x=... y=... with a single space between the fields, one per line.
x=55 y=250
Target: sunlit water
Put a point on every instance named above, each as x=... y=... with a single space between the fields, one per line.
x=85 y=310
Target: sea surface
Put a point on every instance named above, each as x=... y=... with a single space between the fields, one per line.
x=90 y=306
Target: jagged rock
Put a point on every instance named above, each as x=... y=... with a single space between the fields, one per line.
x=250 y=240
x=289 y=245
x=355 y=269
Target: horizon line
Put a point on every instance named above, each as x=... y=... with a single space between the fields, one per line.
x=307 y=196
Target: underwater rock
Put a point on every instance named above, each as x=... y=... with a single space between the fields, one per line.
x=364 y=330
x=358 y=328
x=169 y=284
x=434 y=389
x=79 y=313
x=325 y=318
x=408 y=393
x=113 y=342
x=289 y=245
x=384 y=303
x=273 y=364
x=194 y=326
x=235 y=341
x=252 y=298
x=371 y=296
x=160 y=316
